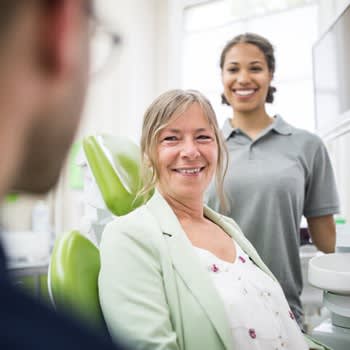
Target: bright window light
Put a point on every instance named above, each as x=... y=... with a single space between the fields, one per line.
x=291 y=26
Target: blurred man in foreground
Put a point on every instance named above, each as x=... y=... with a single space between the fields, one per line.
x=44 y=60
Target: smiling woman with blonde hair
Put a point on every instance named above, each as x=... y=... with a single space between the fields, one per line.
x=176 y=274
x=157 y=117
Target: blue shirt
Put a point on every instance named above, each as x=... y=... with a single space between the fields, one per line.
x=26 y=323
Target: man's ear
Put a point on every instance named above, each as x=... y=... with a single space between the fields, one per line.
x=60 y=34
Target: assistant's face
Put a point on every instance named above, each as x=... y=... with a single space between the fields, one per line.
x=53 y=128
x=187 y=154
x=246 y=78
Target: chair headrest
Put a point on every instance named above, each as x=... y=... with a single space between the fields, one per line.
x=115 y=164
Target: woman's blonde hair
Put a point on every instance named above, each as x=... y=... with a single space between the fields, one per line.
x=158 y=115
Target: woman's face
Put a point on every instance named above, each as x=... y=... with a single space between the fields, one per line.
x=246 y=78
x=187 y=154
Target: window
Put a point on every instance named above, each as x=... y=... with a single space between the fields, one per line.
x=291 y=26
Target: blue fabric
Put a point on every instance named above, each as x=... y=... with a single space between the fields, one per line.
x=26 y=323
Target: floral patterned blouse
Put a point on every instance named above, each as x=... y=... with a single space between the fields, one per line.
x=257 y=309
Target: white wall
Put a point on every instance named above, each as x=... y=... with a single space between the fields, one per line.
x=329 y=11
x=149 y=63
x=168 y=47
x=338 y=147
x=144 y=67
x=118 y=97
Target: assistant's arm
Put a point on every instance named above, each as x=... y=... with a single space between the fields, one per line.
x=321 y=200
x=322 y=231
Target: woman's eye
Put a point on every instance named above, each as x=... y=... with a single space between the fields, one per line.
x=233 y=70
x=170 y=138
x=204 y=137
x=256 y=69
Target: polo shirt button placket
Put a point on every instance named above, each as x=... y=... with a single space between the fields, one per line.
x=251 y=151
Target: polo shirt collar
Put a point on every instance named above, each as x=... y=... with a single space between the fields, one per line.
x=227 y=129
x=279 y=125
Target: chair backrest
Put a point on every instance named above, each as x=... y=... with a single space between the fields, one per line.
x=75 y=262
x=72 y=278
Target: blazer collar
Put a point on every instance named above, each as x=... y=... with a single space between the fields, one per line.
x=231 y=228
x=189 y=267
x=170 y=226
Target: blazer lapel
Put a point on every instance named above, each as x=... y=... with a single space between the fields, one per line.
x=189 y=268
x=231 y=228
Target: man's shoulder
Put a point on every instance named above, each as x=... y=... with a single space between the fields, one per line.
x=28 y=323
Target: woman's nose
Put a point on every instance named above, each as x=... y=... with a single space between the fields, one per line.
x=243 y=77
x=190 y=150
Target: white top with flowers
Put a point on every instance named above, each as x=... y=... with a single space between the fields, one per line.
x=257 y=309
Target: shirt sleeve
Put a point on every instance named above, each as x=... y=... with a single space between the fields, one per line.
x=131 y=289
x=321 y=197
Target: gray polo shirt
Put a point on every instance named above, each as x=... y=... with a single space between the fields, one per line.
x=271 y=182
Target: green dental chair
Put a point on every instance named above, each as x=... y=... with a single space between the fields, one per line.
x=75 y=262
x=72 y=278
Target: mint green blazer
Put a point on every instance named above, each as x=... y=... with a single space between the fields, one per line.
x=153 y=290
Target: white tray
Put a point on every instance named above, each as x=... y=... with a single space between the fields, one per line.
x=331 y=272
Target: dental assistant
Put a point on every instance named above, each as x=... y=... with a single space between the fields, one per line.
x=277 y=173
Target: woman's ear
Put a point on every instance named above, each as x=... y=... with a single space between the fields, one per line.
x=147 y=161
